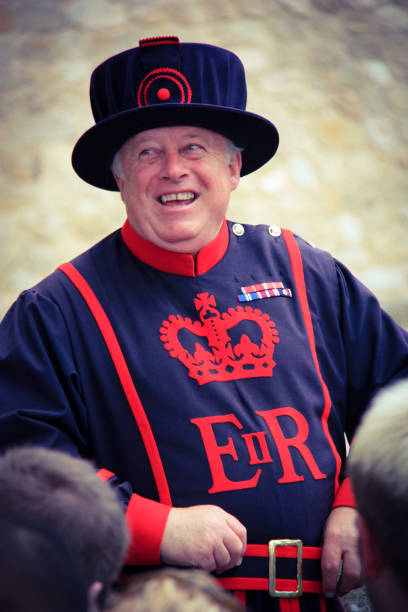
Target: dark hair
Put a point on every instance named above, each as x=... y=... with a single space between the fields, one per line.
x=66 y=492
x=38 y=572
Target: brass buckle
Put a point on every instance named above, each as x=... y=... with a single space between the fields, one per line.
x=272 y=546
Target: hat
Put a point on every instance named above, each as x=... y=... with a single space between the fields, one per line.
x=165 y=83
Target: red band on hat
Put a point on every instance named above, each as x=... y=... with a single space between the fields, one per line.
x=159 y=40
x=164 y=73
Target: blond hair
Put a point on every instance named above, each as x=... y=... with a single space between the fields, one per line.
x=174 y=590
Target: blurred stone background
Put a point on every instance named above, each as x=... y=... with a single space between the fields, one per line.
x=331 y=74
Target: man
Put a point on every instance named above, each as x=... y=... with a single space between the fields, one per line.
x=38 y=572
x=66 y=493
x=379 y=473
x=221 y=421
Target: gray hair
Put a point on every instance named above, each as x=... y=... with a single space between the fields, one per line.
x=378 y=467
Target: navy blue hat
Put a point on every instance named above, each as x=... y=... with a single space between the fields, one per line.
x=166 y=83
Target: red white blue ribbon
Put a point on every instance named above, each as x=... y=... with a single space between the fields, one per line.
x=261 y=291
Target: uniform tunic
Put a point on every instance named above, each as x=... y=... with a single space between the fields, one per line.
x=246 y=399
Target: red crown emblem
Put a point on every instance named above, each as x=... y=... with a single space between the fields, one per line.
x=222 y=361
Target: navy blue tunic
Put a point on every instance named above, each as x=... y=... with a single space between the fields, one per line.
x=235 y=399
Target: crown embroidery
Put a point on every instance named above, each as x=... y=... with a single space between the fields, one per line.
x=222 y=361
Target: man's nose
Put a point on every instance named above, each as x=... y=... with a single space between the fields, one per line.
x=173 y=166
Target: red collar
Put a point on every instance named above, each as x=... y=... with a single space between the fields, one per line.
x=177 y=263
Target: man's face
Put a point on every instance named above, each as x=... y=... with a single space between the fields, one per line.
x=176 y=185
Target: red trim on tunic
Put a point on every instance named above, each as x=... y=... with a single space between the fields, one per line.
x=262 y=584
x=125 y=378
x=298 y=274
x=182 y=264
x=345 y=495
x=241 y=597
x=283 y=552
x=289 y=605
x=105 y=475
x=146 y=519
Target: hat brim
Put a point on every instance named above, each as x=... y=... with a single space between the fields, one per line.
x=94 y=152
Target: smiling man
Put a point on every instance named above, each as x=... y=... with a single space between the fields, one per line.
x=176 y=184
x=210 y=368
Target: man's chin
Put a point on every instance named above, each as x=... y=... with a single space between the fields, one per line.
x=185 y=241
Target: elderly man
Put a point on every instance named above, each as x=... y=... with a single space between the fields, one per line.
x=379 y=473
x=220 y=421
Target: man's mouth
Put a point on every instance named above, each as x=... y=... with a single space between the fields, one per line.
x=182 y=197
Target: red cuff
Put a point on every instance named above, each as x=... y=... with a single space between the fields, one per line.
x=105 y=475
x=146 y=520
x=345 y=495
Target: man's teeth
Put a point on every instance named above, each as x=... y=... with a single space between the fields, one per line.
x=172 y=197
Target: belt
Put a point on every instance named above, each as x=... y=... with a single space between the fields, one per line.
x=278 y=587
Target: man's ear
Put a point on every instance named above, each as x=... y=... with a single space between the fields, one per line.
x=93 y=595
x=235 y=164
x=118 y=179
x=373 y=562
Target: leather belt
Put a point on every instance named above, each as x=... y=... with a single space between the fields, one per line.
x=278 y=587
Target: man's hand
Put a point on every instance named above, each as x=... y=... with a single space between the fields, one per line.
x=340 y=544
x=205 y=537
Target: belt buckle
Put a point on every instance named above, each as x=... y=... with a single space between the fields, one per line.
x=272 y=546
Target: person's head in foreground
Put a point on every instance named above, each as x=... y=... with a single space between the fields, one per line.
x=379 y=472
x=65 y=492
x=174 y=590
x=38 y=571
x=173 y=140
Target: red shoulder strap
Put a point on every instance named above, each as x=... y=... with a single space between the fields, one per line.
x=125 y=378
x=299 y=278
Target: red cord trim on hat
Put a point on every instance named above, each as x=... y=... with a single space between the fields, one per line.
x=163 y=73
x=159 y=76
x=159 y=40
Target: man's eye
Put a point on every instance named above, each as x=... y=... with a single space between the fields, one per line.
x=146 y=152
x=148 y=155
x=194 y=148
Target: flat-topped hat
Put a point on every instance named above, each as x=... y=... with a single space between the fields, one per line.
x=162 y=83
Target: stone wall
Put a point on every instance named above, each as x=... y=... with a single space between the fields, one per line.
x=331 y=74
